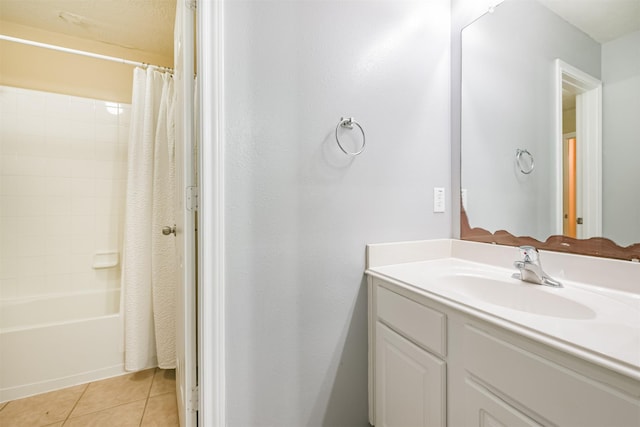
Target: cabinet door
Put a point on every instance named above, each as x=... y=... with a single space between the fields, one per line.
x=410 y=383
x=483 y=409
x=559 y=394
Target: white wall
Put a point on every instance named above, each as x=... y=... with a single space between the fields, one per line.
x=508 y=90
x=62 y=174
x=621 y=139
x=299 y=212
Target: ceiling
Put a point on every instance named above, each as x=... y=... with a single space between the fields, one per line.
x=603 y=20
x=145 y=25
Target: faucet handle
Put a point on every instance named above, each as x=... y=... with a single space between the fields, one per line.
x=529 y=254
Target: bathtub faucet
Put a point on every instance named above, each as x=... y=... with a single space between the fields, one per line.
x=531 y=268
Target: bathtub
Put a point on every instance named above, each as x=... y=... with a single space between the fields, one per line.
x=51 y=342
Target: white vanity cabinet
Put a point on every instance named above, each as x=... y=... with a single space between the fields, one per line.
x=432 y=364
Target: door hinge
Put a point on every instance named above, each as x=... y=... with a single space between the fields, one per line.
x=191 y=4
x=194 y=402
x=191 y=194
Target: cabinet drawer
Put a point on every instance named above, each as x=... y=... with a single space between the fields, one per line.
x=420 y=324
x=554 y=392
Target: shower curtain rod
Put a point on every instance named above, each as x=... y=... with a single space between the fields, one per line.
x=84 y=53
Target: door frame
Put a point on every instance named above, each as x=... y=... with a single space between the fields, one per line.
x=589 y=135
x=186 y=234
x=211 y=266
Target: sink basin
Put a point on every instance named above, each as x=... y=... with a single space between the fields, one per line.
x=516 y=295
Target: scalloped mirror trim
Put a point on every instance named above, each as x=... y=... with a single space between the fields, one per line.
x=596 y=246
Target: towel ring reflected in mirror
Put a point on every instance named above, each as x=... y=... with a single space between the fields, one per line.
x=525 y=164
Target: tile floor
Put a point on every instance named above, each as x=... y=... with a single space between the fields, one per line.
x=146 y=398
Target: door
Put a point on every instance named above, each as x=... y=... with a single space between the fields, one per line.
x=410 y=383
x=483 y=409
x=185 y=209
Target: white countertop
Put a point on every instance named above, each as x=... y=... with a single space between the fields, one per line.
x=592 y=320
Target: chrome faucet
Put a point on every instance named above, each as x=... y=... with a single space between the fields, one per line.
x=531 y=268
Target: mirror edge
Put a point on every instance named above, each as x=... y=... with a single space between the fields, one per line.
x=595 y=246
x=458 y=22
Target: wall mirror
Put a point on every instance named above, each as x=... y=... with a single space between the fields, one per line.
x=550 y=126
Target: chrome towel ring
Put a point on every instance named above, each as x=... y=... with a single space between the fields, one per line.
x=525 y=165
x=348 y=123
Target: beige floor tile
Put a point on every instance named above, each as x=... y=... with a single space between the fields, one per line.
x=125 y=415
x=161 y=411
x=164 y=381
x=114 y=392
x=55 y=425
x=41 y=410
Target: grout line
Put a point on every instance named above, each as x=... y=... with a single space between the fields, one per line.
x=106 y=409
x=153 y=379
x=146 y=403
x=76 y=404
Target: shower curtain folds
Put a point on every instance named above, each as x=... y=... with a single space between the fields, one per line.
x=149 y=268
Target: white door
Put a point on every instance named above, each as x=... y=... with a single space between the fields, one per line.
x=483 y=409
x=186 y=238
x=410 y=383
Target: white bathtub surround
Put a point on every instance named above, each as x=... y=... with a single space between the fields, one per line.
x=596 y=316
x=22 y=313
x=149 y=269
x=62 y=176
x=48 y=343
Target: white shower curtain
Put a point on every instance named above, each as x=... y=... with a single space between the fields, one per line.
x=149 y=271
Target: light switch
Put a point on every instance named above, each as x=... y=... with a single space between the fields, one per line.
x=438 y=199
